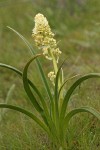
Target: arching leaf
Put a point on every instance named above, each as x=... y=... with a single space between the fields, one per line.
x=29 y=114
x=72 y=88
x=79 y=110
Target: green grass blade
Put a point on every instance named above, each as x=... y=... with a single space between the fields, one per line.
x=79 y=110
x=29 y=114
x=42 y=75
x=7 y=99
x=9 y=94
x=71 y=90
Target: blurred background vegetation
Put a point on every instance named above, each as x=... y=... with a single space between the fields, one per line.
x=76 y=24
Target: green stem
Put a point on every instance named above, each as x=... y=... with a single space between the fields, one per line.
x=54 y=63
x=55 y=68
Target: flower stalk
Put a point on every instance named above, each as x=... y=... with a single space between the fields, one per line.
x=44 y=40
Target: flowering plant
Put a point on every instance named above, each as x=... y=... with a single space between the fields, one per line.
x=54 y=119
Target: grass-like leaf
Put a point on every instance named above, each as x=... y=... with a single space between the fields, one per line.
x=20 y=74
x=27 y=87
x=71 y=90
x=27 y=113
x=42 y=110
x=79 y=110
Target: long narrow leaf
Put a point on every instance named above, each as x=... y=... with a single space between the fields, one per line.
x=29 y=114
x=30 y=94
x=38 y=63
x=72 y=88
x=27 y=87
x=24 y=39
x=26 y=79
x=20 y=73
x=11 y=68
x=79 y=110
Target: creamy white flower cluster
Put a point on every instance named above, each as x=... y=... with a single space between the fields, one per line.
x=44 y=38
x=52 y=76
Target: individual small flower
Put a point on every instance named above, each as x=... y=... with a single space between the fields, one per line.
x=57 y=53
x=52 y=76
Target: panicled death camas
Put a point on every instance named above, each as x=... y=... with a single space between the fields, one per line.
x=52 y=109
